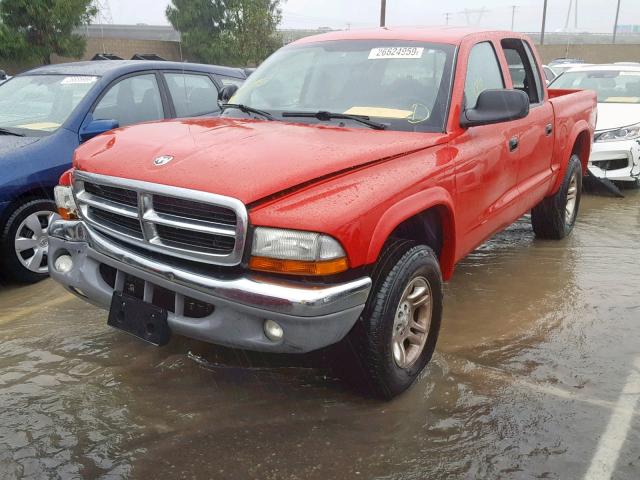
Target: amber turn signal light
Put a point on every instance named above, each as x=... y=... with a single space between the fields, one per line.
x=66 y=214
x=299 y=267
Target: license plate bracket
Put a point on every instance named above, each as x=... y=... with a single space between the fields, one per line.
x=141 y=319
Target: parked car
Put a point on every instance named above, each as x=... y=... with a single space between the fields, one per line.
x=565 y=60
x=565 y=67
x=549 y=73
x=47 y=112
x=616 y=151
x=350 y=175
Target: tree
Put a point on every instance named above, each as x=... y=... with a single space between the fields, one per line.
x=34 y=29
x=233 y=32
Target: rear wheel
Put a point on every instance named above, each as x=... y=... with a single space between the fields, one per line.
x=24 y=242
x=555 y=216
x=396 y=335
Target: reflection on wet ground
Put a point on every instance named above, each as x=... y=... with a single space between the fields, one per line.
x=538 y=343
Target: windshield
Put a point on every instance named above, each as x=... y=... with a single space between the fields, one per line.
x=403 y=85
x=40 y=104
x=612 y=86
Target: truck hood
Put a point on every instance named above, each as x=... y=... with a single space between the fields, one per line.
x=245 y=159
x=616 y=115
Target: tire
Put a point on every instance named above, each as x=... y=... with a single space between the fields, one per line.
x=403 y=267
x=551 y=218
x=16 y=234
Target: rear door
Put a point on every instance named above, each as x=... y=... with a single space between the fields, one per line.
x=535 y=132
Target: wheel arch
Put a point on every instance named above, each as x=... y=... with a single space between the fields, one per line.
x=26 y=195
x=582 y=148
x=426 y=217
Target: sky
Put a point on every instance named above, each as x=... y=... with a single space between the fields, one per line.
x=593 y=15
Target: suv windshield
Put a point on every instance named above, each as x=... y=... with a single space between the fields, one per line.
x=612 y=86
x=40 y=104
x=403 y=85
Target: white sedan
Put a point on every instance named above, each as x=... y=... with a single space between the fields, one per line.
x=616 y=149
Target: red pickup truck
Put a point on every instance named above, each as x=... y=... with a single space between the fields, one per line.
x=336 y=192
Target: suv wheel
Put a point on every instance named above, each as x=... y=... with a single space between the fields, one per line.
x=24 y=241
x=396 y=335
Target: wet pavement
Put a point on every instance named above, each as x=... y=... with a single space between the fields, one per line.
x=536 y=375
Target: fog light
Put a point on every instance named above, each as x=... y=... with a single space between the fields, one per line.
x=63 y=264
x=273 y=331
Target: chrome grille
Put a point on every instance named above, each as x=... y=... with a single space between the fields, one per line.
x=183 y=223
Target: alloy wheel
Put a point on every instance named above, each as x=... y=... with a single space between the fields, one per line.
x=412 y=322
x=32 y=241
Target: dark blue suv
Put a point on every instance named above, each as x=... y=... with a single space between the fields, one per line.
x=47 y=112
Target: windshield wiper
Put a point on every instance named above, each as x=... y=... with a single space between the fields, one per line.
x=247 y=109
x=5 y=131
x=326 y=116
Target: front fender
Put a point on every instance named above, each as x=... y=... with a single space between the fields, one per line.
x=435 y=197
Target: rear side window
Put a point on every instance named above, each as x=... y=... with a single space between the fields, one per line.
x=132 y=100
x=192 y=94
x=521 y=69
x=483 y=73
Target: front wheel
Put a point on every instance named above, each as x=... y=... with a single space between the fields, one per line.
x=555 y=216
x=24 y=241
x=396 y=335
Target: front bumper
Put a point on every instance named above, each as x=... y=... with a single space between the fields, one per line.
x=312 y=315
x=619 y=161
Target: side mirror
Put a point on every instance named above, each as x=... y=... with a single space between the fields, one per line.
x=96 y=127
x=226 y=93
x=496 y=106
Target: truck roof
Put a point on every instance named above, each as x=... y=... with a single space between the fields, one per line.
x=440 y=34
x=107 y=67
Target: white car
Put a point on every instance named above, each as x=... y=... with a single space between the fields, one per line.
x=560 y=68
x=616 y=149
x=549 y=73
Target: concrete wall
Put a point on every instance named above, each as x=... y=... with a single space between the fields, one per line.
x=125 y=48
x=592 y=53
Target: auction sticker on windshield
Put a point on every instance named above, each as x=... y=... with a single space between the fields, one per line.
x=381 y=53
x=78 y=80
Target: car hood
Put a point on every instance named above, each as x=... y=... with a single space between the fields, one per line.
x=11 y=143
x=616 y=115
x=245 y=159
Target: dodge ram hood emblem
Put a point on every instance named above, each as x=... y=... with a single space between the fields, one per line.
x=162 y=160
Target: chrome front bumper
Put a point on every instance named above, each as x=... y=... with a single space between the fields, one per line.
x=311 y=315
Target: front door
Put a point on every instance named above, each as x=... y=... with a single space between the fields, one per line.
x=486 y=158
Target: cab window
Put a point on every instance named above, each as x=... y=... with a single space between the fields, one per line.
x=521 y=69
x=483 y=73
x=132 y=100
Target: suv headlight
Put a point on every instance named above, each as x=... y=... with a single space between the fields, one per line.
x=65 y=202
x=296 y=252
x=631 y=132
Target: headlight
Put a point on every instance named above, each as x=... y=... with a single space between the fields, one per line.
x=625 y=133
x=296 y=252
x=65 y=202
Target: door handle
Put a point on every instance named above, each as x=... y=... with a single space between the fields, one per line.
x=548 y=129
x=513 y=143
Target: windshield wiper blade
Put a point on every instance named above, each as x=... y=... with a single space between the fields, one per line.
x=326 y=116
x=247 y=109
x=5 y=131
